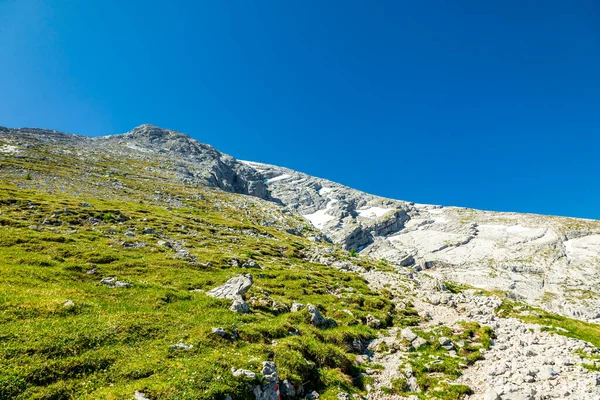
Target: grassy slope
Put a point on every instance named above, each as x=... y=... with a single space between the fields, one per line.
x=116 y=341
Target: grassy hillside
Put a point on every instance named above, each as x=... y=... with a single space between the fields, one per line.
x=65 y=225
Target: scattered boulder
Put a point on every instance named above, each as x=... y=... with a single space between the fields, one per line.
x=220 y=332
x=546 y=372
x=69 y=304
x=180 y=346
x=234 y=289
x=269 y=390
x=164 y=243
x=418 y=343
x=318 y=320
x=240 y=306
x=491 y=395
x=287 y=389
x=408 y=334
x=243 y=372
x=112 y=282
x=140 y=396
x=149 y=231
x=446 y=343
x=373 y=322
x=296 y=307
x=251 y=264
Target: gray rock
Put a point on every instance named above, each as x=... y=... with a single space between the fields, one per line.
x=491 y=395
x=373 y=322
x=546 y=372
x=418 y=343
x=268 y=391
x=140 y=396
x=243 y=372
x=68 y=304
x=112 y=282
x=181 y=346
x=287 y=389
x=251 y=264
x=446 y=343
x=408 y=334
x=317 y=319
x=219 y=332
x=240 y=306
x=296 y=307
x=233 y=288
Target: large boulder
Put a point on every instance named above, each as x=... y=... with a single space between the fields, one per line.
x=234 y=289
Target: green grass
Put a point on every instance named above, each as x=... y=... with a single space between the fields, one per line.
x=116 y=341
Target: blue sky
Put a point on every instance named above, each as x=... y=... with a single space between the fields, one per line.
x=492 y=105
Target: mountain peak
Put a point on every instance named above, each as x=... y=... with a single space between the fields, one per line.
x=153 y=131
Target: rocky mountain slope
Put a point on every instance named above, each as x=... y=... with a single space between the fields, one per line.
x=553 y=262
x=148 y=264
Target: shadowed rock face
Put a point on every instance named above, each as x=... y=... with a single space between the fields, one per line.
x=553 y=262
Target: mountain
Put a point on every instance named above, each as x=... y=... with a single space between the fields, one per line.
x=149 y=263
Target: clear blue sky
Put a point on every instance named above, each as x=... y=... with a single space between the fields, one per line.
x=493 y=106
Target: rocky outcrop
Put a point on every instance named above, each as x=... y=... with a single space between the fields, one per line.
x=270 y=388
x=234 y=289
x=549 y=261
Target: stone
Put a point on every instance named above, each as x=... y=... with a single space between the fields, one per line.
x=112 y=282
x=240 y=306
x=491 y=395
x=233 y=288
x=317 y=319
x=296 y=307
x=243 y=372
x=149 y=231
x=140 y=396
x=251 y=264
x=287 y=389
x=181 y=346
x=546 y=372
x=69 y=304
x=343 y=396
x=418 y=343
x=373 y=322
x=220 y=332
x=269 y=390
x=446 y=343
x=408 y=334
